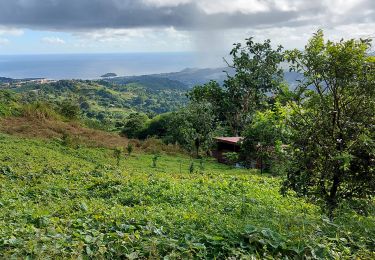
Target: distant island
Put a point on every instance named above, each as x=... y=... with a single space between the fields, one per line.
x=109 y=75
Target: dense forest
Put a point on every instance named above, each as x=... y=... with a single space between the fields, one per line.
x=122 y=167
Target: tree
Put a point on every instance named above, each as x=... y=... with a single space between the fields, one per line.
x=158 y=126
x=70 y=109
x=84 y=104
x=212 y=93
x=333 y=126
x=135 y=125
x=194 y=126
x=257 y=73
x=265 y=138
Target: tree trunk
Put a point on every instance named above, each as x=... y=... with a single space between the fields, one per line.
x=197 y=145
x=332 y=199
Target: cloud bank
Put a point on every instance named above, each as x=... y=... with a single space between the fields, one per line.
x=76 y=15
x=207 y=26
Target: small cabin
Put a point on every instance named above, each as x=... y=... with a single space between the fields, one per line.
x=225 y=145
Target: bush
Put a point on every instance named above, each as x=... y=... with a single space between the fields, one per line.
x=232 y=157
x=117 y=153
x=70 y=141
x=69 y=109
x=135 y=125
x=129 y=148
x=8 y=103
x=158 y=126
x=39 y=110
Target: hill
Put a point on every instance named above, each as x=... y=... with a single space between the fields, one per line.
x=190 y=77
x=106 y=104
x=6 y=80
x=151 y=82
x=72 y=132
x=74 y=202
x=109 y=75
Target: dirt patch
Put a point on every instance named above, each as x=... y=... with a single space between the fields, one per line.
x=48 y=129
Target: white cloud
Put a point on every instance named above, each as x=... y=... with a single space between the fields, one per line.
x=162 y=3
x=243 y=6
x=153 y=36
x=4 y=41
x=53 y=40
x=112 y=35
x=341 y=7
x=11 y=31
x=133 y=40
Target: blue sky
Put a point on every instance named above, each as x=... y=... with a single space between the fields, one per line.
x=207 y=26
x=30 y=41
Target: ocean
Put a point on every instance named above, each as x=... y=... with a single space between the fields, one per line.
x=92 y=66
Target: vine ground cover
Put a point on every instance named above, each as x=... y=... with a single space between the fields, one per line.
x=62 y=202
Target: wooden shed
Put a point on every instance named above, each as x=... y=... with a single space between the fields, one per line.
x=225 y=145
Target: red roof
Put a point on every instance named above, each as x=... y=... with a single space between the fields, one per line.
x=229 y=140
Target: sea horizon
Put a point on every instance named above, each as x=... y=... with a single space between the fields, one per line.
x=94 y=65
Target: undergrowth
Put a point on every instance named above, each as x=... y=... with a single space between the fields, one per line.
x=58 y=201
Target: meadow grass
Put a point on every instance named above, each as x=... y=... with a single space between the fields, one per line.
x=62 y=202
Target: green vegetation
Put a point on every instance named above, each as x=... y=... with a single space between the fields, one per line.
x=85 y=193
x=319 y=137
x=193 y=127
x=8 y=103
x=257 y=74
x=135 y=125
x=62 y=202
x=102 y=104
x=265 y=136
x=332 y=123
x=150 y=82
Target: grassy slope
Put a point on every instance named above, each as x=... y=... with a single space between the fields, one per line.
x=56 y=129
x=62 y=202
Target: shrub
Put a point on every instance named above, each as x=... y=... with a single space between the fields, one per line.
x=69 y=140
x=117 y=152
x=39 y=110
x=232 y=157
x=69 y=109
x=155 y=160
x=8 y=103
x=129 y=148
x=191 y=167
x=135 y=125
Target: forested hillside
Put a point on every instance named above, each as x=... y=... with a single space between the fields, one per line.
x=103 y=104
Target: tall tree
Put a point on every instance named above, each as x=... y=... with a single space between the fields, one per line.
x=257 y=73
x=194 y=127
x=333 y=123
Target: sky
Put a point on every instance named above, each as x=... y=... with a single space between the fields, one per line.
x=207 y=26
